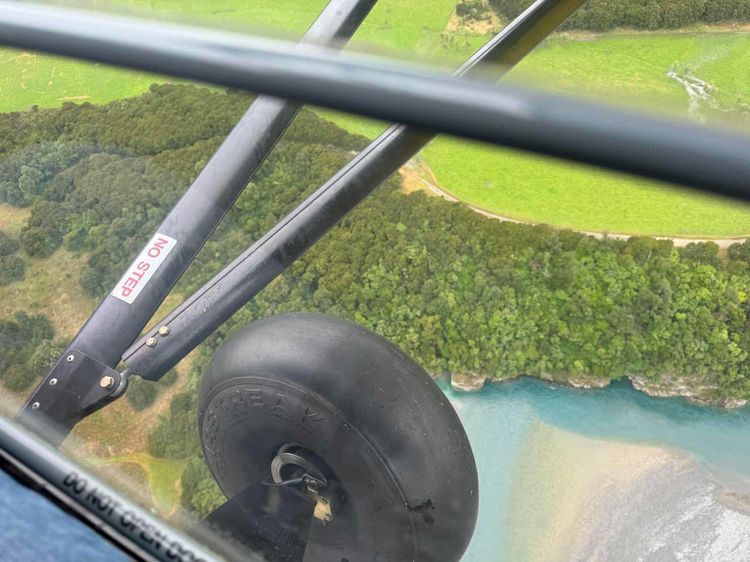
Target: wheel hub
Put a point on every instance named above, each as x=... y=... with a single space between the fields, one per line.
x=295 y=466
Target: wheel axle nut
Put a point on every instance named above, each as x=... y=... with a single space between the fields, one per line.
x=107 y=381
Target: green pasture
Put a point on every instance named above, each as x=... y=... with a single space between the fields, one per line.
x=28 y=79
x=163 y=476
x=542 y=190
x=403 y=25
x=623 y=68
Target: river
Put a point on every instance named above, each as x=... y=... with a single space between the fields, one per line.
x=683 y=453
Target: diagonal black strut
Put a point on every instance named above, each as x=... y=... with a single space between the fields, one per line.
x=84 y=379
x=216 y=301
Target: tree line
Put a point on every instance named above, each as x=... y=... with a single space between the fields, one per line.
x=457 y=291
x=602 y=15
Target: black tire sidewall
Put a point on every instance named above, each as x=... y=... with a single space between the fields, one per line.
x=370 y=411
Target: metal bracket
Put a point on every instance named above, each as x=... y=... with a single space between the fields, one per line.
x=270 y=520
x=76 y=386
x=311 y=481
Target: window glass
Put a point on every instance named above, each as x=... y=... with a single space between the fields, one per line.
x=590 y=329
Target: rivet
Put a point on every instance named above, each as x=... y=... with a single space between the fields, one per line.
x=164 y=331
x=70 y=358
x=151 y=342
x=107 y=381
x=52 y=382
x=35 y=406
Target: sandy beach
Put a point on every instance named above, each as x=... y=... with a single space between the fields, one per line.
x=576 y=498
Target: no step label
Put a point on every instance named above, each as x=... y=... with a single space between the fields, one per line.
x=143 y=268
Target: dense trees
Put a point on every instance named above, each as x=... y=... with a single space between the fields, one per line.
x=103 y=183
x=25 y=173
x=12 y=268
x=702 y=252
x=141 y=394
x=8 y=244
x=176 y=436
x=43 y=232
x=472 y=10
x=601 y=15
x=457 y=291
x=25 y=349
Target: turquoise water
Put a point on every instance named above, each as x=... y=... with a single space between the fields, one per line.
x=497 y=419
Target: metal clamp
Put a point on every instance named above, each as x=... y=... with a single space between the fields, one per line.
x=76 y=386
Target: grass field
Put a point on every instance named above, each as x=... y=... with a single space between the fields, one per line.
x=393 y=24
x=28 y=79
x=624 y=68
x=539 y=190
x=627 y=69
x=50 y=286
x=162 y=475
x=12 y=219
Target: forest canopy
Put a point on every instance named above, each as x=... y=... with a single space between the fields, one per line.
x=457 y=291
x=602 y=15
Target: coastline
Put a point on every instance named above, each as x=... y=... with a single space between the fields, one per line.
x=578 y=498
x=671 y=386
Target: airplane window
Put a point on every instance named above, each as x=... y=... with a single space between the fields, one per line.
x=497 y=355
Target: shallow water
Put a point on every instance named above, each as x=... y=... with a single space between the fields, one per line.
x=497 y=419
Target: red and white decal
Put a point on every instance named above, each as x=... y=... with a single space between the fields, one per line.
x=143 y=268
